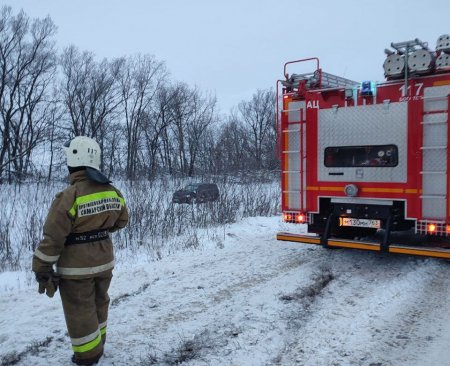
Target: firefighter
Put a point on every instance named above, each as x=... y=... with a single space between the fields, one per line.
x=76 y=240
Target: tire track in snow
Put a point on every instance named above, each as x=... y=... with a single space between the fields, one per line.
x=380 y=319
x=224 y=301
x=220 y=291
x=407 y=336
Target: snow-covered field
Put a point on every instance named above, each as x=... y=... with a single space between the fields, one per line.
x=157 y=227
x=247 y=299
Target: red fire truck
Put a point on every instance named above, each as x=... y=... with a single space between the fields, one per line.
x=366 y=165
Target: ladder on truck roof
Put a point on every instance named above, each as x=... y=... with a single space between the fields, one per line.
x=319 y=80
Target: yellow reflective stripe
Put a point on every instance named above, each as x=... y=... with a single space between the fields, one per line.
x=84 y=271
x=45 y=257
x=97 y=196
x=103 y=331
x=94 y=197
x=88 y=346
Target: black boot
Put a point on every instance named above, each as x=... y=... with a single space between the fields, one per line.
x=88 y=361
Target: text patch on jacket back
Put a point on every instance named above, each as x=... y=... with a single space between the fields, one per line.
x=95 y=203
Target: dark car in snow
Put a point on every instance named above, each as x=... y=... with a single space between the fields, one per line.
x=196 y=193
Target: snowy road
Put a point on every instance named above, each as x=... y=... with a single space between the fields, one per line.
x=247 y=299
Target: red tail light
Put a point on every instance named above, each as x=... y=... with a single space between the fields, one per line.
x=295 y=217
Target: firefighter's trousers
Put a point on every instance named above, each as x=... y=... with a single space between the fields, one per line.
x=85 y=303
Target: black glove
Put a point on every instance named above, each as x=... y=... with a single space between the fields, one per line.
x=48 y=282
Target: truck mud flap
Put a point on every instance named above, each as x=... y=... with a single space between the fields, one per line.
x=425 y=251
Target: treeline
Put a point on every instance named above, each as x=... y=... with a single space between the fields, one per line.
x=146 y=123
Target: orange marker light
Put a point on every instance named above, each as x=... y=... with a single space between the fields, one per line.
x=448 y=229
x=301 y=218
x=287 y=217
x=431 y=228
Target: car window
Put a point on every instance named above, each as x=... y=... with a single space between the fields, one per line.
x=191 y=187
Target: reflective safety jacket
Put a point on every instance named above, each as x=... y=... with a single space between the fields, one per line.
x=83 y=208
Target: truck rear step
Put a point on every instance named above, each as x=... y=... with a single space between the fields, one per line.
x=420 y=250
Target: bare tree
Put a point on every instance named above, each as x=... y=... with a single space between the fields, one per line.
x=233 y=147
x=203 y=117
x=143 y=123
x=140 y=79
x=113 y=149
x=208 y=159
x=180 y=110
x=55 y=113
x=167 y=149
x=27 y=64
x=258 y=115
x=192 y=113
x=155 y=129
x=91 y=93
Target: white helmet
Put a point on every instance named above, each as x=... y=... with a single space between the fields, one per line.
x=83 y=151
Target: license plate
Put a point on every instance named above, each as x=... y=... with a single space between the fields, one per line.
x=349 y=221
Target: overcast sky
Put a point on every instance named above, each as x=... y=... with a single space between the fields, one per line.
x=233 y=47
